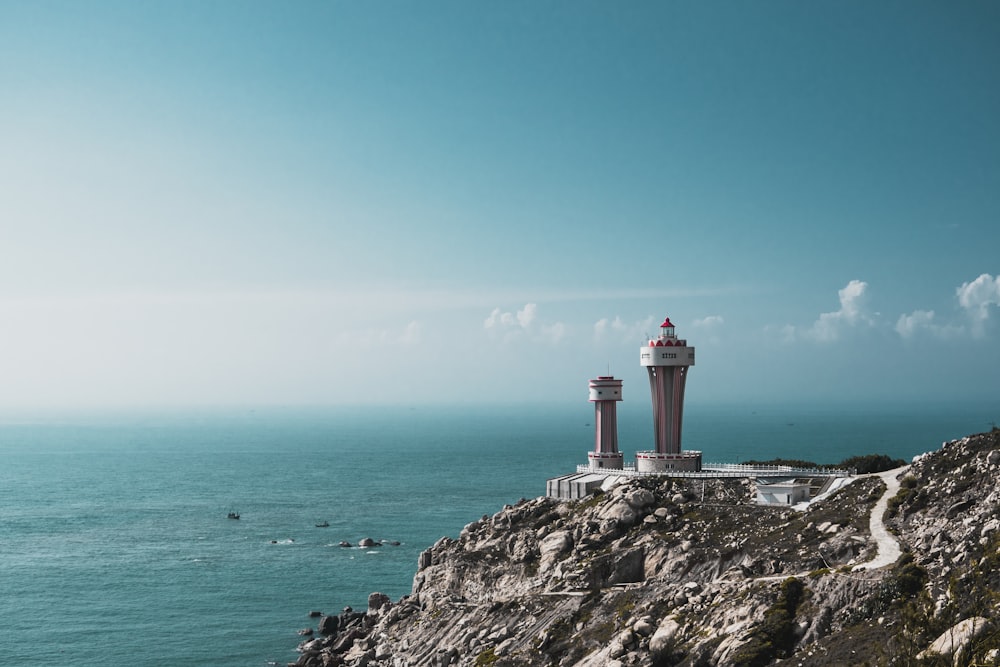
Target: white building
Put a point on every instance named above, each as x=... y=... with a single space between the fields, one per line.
x=782 y=492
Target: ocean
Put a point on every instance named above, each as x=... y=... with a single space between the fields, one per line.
x=115 y=549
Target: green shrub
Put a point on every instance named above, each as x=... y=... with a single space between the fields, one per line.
x=871 y=463
x=486 y=658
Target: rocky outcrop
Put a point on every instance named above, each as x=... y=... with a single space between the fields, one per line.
x=664 y=572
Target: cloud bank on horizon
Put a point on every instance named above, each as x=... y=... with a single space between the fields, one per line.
x=977 y=300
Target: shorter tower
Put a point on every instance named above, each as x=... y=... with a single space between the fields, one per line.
x=605 y=392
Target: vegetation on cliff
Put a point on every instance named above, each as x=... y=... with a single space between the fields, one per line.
x=861 y=465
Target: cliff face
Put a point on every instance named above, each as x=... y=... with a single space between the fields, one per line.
x=668 y=572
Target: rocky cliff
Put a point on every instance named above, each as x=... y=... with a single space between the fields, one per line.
x=673 y=572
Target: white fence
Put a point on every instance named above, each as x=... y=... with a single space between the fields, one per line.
x=714 y=470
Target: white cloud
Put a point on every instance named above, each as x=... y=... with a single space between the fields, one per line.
x=919 y=321
x=853 y=313
x=526 y=315
x=493 y=319
x=908 y=325
x=523 y=318
x=707 y=329
x=524 y=322
x=554 y=332
x=617 y=329
x=976 y=297
x=829 y=327
x=710 y=322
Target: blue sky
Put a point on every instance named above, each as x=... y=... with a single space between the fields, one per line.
x=340 y=202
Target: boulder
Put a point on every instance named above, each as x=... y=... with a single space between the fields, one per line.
x=328 y=625
x=628 y=567
x=664 y=636
x=376 y=601
x=627 y=639
x=367 y=543
x=503 y=648
x=644 y=627
x=346 y=641
x=956 y=639
x=616 y=650
x=556 y=543
x=620 y=512
x=639 y=498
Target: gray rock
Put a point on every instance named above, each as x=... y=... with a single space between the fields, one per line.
x=692 y=587
x=640 y=498
x=955 y=640
x=628 y=567
x=503 y=648
x=644 y=627
x=615 y=649
x=328 y=625
x=376 y=601
x=665 y=634
x=620 y=512
x=958 y=508
x=556 y=543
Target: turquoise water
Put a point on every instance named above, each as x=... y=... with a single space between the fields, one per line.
x=115 y=549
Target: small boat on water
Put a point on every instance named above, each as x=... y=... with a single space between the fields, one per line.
x=233 y=515
x=325 y=524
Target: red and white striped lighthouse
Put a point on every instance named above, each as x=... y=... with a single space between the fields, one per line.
x=667 y=359
x=605 y=392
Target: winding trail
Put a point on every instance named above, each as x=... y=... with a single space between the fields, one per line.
x=888 y=546
x=888 y=551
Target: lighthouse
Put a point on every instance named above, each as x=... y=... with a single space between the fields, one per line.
x=605 y=392
x=667 y=359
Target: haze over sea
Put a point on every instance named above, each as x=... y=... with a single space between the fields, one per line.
x=115 y=549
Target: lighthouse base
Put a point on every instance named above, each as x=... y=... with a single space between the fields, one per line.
x=605 y=460
x=689 y=461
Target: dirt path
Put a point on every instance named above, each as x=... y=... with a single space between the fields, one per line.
x=888 y=545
